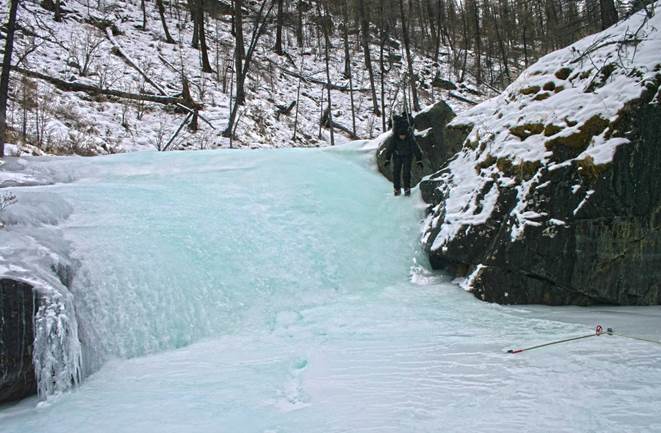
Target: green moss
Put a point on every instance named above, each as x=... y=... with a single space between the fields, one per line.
x=563 y=74
x=504 y=165
x=472 y=144
x=590 y=171
x=580 y=140
x=585 y=74
x=549 y=87
x=542 y=96
x=523 y=171
x=559 y=89
x=551 y=129
x=526 y=130
x=530 y=90
x=487 y=162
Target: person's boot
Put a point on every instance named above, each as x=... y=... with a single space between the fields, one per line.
x=407 y=192
x=398 y=191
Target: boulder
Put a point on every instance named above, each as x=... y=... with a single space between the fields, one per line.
x=437 y=143
x=555 y=195
x=443 y=84
x=17 y=306
x=607 y=252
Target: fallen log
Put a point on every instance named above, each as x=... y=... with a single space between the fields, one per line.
x=316 y=81
x=189 y=106
x=74 y=86
x=325 y=121
x=461 y=98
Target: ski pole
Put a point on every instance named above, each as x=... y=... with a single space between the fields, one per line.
x=598 y=331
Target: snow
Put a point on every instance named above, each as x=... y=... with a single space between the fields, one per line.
x=76 y=122
x=606 y=71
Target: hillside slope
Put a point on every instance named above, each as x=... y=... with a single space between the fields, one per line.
x=556 y=195
x=91 y=46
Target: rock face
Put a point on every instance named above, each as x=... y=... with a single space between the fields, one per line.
x=436 y=142
x=17 y=377
x=555 y=197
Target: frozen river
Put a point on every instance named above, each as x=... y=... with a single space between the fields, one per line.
x=285 y=292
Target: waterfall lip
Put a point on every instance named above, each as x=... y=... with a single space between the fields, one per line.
x=34 y=252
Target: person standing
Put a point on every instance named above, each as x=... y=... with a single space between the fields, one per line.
x=401 y=148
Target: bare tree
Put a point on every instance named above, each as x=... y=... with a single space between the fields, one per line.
x=144 y=14
x=608 y=13
x=199 y=17
x=365 y=37
x=243 y=58
x=409 y=60
x=161 y=12
x=278 y=29
x=6 y=69
x=347 y=63
x=325 y=23
x=82 y=51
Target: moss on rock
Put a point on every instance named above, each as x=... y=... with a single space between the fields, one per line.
x=530 y=90
x=526 y=130
x=563 y=73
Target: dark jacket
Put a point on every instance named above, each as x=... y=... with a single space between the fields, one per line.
x=402 y=148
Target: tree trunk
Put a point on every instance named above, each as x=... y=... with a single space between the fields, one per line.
x=409 y=60
x=278 y=30
x=199 y=16
x=324 y=23
x=347 y=64
x=298 y=96
x=501 y=46
x=382 y=68
x=345 y=38
x=6 y=69
x=299 y=24
x=364 y=33
x=240 y=51
x=144 y=14
x=58 y=11
x=608 y=13
x=478 y=43
x=161 y=12
x=192 y=6
x=243 y=58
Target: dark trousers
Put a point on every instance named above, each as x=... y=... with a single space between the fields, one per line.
x=401 y=168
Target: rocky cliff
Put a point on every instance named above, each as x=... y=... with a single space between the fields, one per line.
x=17 y=306
x=555 y=197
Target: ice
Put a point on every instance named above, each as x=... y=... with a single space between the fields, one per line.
x=285 y=291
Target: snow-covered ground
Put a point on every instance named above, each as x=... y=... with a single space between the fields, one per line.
x=284 y=291
x=76 y=122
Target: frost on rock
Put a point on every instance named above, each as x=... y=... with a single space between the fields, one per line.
x=536 y=154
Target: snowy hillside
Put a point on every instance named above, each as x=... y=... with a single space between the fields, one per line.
x=542 y=155
x=102 y=44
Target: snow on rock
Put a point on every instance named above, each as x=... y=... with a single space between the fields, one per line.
x=545 y=151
